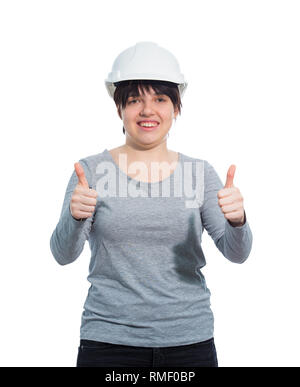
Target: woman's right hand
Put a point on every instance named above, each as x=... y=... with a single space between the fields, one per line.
x=84 y=199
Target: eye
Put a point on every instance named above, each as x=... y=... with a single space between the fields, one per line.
x=132 y=101
x=135 y=100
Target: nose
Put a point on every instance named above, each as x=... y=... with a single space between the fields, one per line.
x=146 y=109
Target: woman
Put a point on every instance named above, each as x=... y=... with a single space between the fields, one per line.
x=143 y=208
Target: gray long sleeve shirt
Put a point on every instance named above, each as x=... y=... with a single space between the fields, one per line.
x=147 y=288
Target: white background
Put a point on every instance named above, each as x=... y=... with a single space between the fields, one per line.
x=241 y=59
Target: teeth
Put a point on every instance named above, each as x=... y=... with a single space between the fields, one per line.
x=148 y=125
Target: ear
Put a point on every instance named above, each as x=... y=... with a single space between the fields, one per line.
x=176 y=111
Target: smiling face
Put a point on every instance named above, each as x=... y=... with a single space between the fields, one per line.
x=148 y=117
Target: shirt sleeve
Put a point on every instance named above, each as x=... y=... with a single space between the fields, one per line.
x=69 y=236
x=234 y=243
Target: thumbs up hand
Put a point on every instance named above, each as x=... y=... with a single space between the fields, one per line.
x=231 y=201
x=82 y=181
x=84 y=199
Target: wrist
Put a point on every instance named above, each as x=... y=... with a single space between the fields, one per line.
x=238 y=224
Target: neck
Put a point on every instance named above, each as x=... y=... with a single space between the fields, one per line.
x=158 y=152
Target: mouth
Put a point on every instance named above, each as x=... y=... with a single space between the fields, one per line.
x=148 y=126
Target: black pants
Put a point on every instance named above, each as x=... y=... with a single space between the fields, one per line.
x=99 y=354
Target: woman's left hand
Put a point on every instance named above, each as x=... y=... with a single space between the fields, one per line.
x=231 y=201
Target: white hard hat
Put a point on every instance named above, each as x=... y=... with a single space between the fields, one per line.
x=145 y=60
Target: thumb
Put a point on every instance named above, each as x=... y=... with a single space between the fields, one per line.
x=81 y=175
x=230 y=176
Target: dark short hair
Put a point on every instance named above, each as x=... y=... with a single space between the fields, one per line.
x=126 y=89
